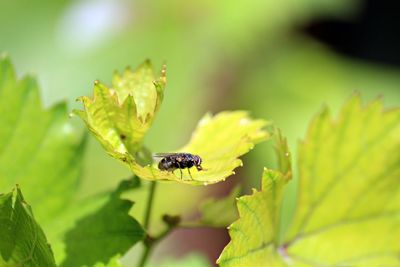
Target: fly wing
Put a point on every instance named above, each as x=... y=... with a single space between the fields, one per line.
x=163 y=155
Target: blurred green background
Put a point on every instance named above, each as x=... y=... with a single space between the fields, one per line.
x=281 y=60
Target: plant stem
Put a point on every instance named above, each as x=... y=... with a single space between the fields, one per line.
x=163 y=234
x=148 y=241
x=149 y=205
x=145 y=255
x=190 y=225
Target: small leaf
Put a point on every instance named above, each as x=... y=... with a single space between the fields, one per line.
x=219 y=140
x=147 y=92
x=109 y=231
x=220 y=212
x=39 y=149
x=22 y=241
x=120 y=116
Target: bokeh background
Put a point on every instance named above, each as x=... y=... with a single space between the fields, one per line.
x=281 y=60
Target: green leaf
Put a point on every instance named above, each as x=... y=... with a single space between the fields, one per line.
x=22 y=241
x=114 y=262
x=107 y=232
x=220 y=212
x=219 y=140
x=120 y=116
x=348 y=208
x=254 y=235
x=348 y=211
x=39 y=148
x=65 y=221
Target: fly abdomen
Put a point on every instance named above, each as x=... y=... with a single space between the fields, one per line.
x=166 y=165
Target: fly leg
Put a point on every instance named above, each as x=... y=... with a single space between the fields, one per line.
x=190 y=173
x=180 y=169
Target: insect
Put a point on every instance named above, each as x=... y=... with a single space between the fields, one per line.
x=172 y=161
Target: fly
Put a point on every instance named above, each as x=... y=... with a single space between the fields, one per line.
x=173 y=161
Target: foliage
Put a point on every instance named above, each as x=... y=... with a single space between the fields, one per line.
x=219 y=140
x=108 y=232
x=347 y=212
x=31 y=140
x=254 y=234
x=22 y=242
x=41 y=150
x=114 y=262
x=349 y=200
x=120 y=116
x=220 y=212
x=27 y=160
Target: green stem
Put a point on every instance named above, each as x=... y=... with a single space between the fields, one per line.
x=171 y=222
x=148 y=242
x=145 y=255
x=149 y=205
x=163 y=234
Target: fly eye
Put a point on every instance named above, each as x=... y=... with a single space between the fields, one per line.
x=198 y=160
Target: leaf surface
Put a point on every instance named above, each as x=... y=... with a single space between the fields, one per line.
x=219 y=140
x=348 y=211
x=348 y=207
x=109 y=231
x=120 y=116
x=114 y=262
x=220 y=212
x=22 y=241
x=39 y=148
x=254 y=236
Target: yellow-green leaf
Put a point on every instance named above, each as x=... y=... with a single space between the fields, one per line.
x=254 y=236
x=220 y=212
x=147 y=92
x=349 y=202
x=219 y=140
x=120 y=116
x=348 y=211
x=22 y=241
